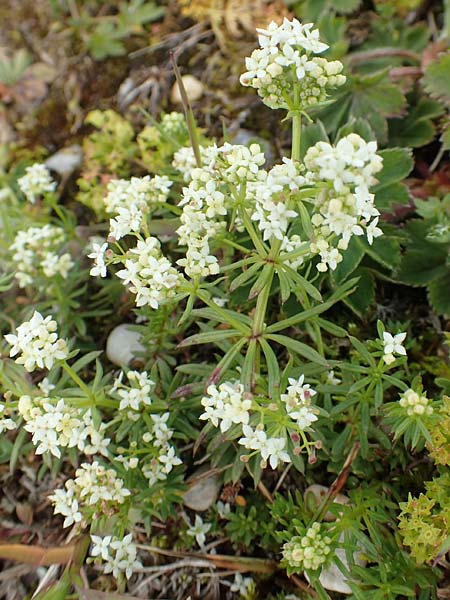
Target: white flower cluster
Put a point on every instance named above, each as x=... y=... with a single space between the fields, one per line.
x=240 y=163
x=285 y=60
x=184 y=160
x=308 y=552
x=272 y=449
x=37 y=254
x=344 y=207
x=130 y=200
x=270 y=194
x=174 y=124
x=203 y=204
x=135 y=397
x=415 y=404
x=226 y=405
x=6 y=423
x=37 y=343
x=298 y=402
x=94 y=491
x=54 y=424
x=149 y=274
x=392 y=344
x=165 y=459
x=119 y=555
x=207 y=199
x=36 y=182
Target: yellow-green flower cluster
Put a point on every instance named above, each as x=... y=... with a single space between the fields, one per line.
x=308 y=552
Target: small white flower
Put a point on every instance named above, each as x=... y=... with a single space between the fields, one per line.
x=199 y=530
x=241 y=584
x=372 y=231
x=98 y=255
x=393 y=345
x=100 y=546
x=274 y=450
x=169 y=460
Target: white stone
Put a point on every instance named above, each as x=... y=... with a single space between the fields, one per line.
x=332 y=579
x=123 y=345
x=203 y=490
x=66 y=160
x=193 y=86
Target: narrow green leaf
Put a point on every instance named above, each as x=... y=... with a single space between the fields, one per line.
x=360 y=347
x=298 y=348
x=303 y=283
x=263 y=279
x=273 y=368
x=245 y=276
x=343 y=291
x=208 y=337
x=225 y=362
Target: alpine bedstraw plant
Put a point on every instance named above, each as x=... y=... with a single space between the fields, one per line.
x=242 y=258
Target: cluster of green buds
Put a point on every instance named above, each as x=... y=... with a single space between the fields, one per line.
x=308 y=552
x=415 y=404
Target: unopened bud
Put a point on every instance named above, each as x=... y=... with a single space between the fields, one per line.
x=312 y=458
x=244 y=458
x=295 y=437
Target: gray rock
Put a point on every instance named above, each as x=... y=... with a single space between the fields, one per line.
x=203 y=491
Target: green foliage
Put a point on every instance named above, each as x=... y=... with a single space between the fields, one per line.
x=436 y=80
x=105 y=36
x=366 y=96
x=261 y=320
x=13 y=69
x=425 y=261
x=251 y=526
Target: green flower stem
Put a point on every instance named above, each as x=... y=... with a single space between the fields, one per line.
x=296 y=125
x=80 y=383
x=257 y=242
x=318 y=587
x=263 y=298
x=261 y=307
x=223 y=315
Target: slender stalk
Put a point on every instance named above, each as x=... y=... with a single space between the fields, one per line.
x=259 y=245
x=75 y=377
x=192 y=127
x=261 y=307
x=296 y=125
x=263 y=298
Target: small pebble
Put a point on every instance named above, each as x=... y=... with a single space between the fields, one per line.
x=203 y=491
x=193 y=86
x=123 y=345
